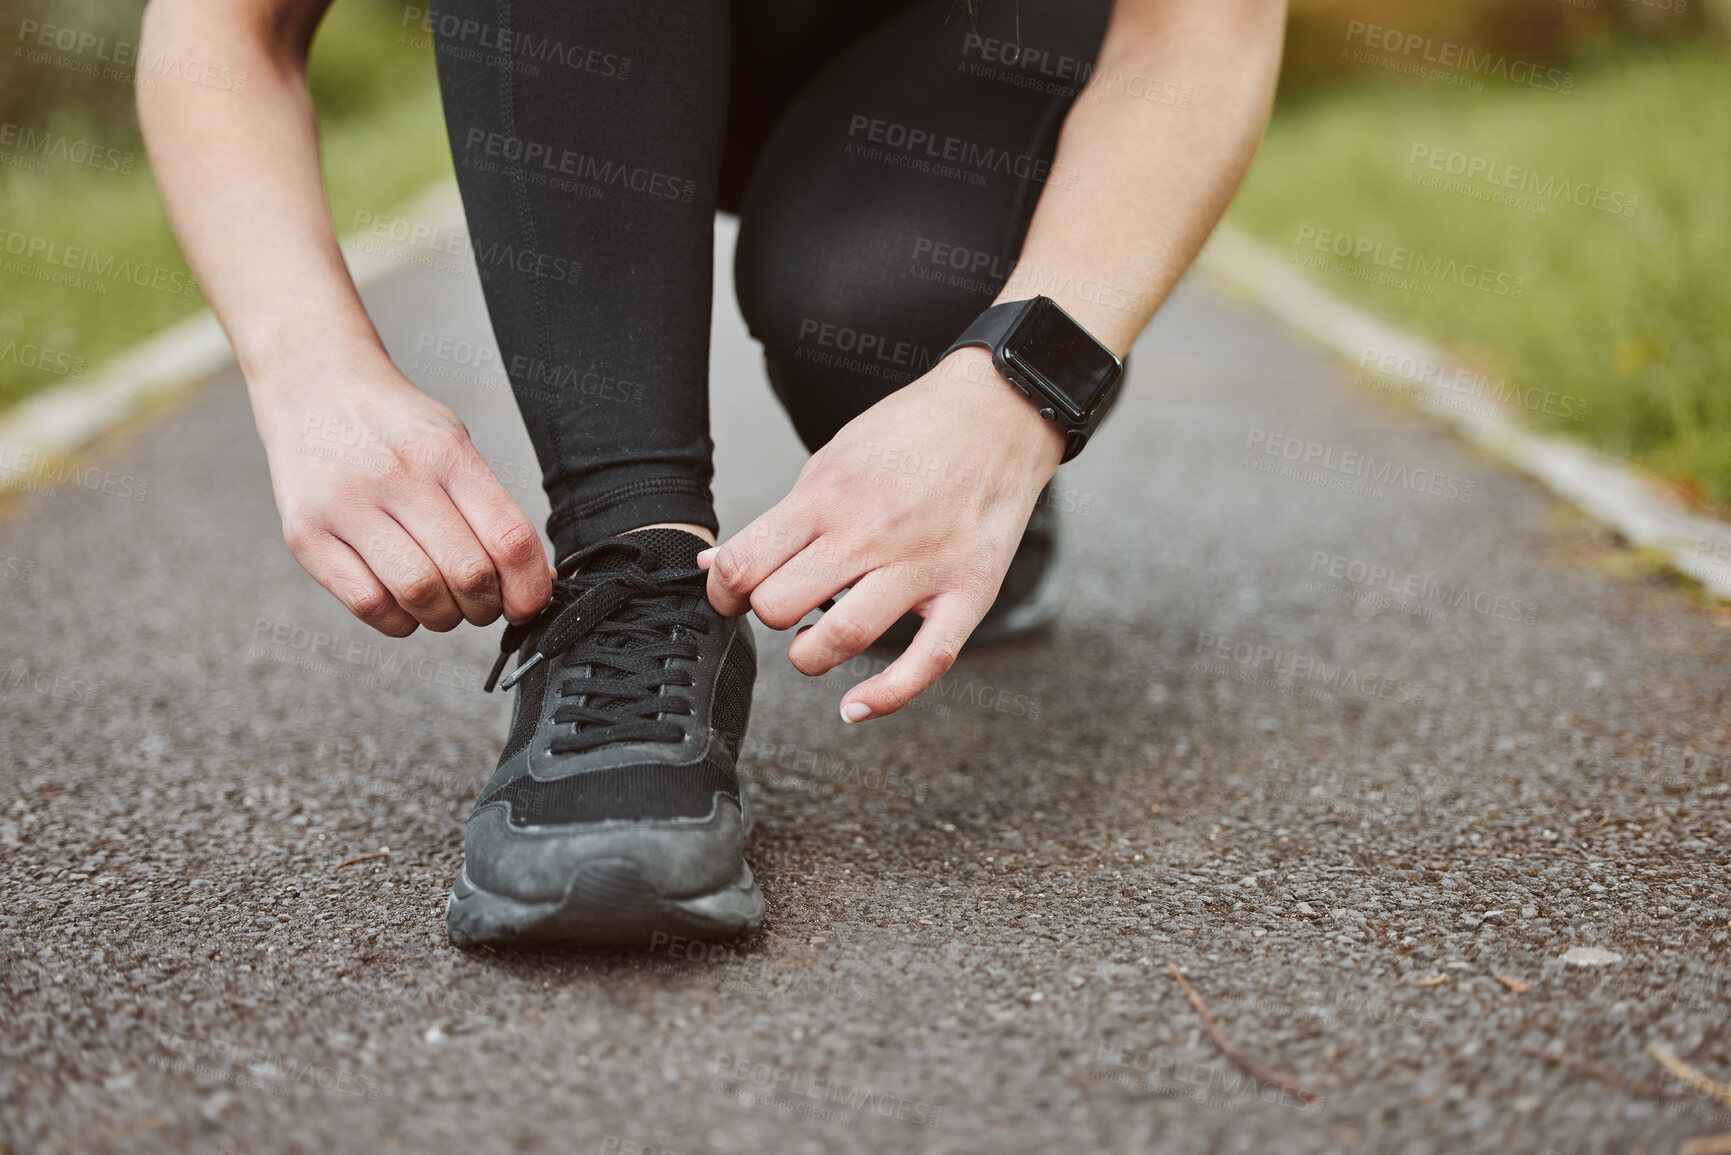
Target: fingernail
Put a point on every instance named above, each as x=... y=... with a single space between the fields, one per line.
x=855 y=712
x=704 y=558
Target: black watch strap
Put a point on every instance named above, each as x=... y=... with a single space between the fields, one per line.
x=989 y=330
x=992 y=326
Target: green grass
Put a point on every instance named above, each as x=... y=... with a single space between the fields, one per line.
x=1629 y=313
x=383 y=138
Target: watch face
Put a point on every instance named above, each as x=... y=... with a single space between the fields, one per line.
x=1074 y=369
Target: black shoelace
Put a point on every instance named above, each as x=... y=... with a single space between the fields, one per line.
x=623 y=627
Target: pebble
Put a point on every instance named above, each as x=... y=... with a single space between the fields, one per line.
x=1590 y=956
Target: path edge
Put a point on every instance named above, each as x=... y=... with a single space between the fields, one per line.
x=57 y=421
x=1647 y=514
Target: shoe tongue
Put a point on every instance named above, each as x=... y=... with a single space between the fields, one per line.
x=661 y=549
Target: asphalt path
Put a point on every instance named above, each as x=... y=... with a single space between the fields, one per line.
x=1365 y=749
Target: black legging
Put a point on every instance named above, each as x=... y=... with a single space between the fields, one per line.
x=885 y=157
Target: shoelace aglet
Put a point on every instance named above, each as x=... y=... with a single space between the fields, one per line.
x=511 y=678
x=498 y=668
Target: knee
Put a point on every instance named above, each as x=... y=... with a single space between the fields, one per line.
x=840 y=288
x=823 y=280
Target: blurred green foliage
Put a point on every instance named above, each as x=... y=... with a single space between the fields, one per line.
x=359 y=64
x=1541 y=32
x=1624 y=302
x=381 y=129
x=1627 y=313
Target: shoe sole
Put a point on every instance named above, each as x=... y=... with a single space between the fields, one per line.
x=609 y=903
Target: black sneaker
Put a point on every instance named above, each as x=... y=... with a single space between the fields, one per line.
x=1032 y=593
x=616 y=811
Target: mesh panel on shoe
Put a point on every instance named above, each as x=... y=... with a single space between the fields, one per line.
x=666 y=549
x=649 y=790
x=733 y=695
x=530 y=693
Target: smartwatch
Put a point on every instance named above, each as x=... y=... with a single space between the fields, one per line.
x=1051 y=360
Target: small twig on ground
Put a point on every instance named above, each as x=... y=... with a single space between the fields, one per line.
x=385 y=853
x=1668 y=1059
x=1515 y=985
x=1604 y=1074
x=1250 y=1066
x=1433 y=981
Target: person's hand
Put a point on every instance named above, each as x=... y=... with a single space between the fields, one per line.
x=387 y=504
x=918 y=503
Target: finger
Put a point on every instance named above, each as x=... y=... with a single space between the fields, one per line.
x=872 y=606
x=404 y=568
x=804 y=582
x=337 y=567
x=499 y=524
x=754 y=553
x=465 y=568
x=930 y=655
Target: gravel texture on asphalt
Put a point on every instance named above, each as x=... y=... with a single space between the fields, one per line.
x=1367 y=815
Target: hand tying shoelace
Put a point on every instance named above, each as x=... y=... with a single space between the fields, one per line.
x=613 y=629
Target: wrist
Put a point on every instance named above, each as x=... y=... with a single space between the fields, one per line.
x=285 y=377
x=977 y=385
